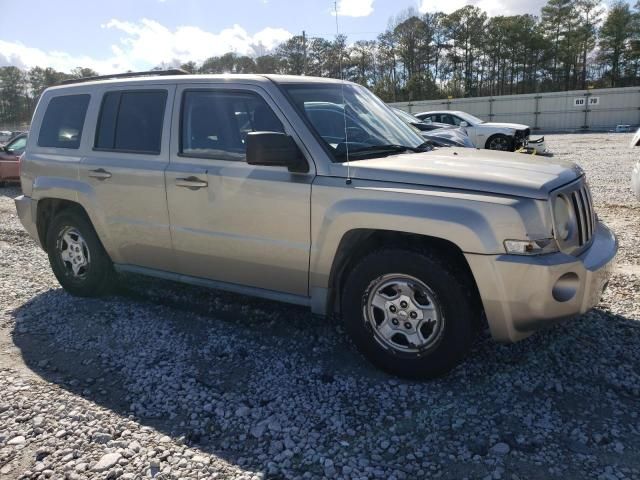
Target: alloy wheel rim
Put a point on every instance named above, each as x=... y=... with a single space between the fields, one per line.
x=499 y=144
x=73 y=252
x=404 y=314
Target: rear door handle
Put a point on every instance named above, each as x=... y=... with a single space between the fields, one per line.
x=100 y=174
x=193 y=183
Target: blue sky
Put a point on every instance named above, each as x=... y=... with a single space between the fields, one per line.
x=116 y=35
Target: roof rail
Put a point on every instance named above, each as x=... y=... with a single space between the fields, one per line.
x=148 y=73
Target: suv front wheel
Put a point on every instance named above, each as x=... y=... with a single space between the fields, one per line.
x=77 y=257
x=408 y=312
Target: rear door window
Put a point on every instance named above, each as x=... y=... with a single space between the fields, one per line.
x=63 y=121
x=131 y=121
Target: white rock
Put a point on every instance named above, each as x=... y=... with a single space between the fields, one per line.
x=135 y=446
x=106 y=462
x=201 y=459
x=19 y=440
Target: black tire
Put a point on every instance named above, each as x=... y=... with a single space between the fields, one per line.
x=499 y=139
x=452 y=292
x=98 y=277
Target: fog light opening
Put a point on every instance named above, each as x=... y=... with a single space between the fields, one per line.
x=566 y=287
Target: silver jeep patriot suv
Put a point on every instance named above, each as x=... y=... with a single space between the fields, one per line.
x=309 y=191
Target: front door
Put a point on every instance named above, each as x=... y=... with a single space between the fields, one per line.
x=230 y=221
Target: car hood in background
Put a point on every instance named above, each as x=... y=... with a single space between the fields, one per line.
x=515 y=126
x=470 y=169
x=455 y=136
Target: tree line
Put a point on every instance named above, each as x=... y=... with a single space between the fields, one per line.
x=572 y=44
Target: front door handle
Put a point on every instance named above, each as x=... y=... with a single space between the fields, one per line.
x=100 y=174
x=193 y=183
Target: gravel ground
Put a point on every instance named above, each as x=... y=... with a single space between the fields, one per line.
x=172 y=381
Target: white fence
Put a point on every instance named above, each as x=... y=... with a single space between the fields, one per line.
x=578 y=110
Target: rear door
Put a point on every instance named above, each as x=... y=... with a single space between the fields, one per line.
x=230 y=221
x=125 y=169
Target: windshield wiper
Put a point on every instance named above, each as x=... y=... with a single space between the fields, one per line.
x=387 y=149
x=426 y=146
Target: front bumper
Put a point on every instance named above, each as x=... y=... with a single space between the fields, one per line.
x=27 y=208
x=538 y=146
x=522 y=294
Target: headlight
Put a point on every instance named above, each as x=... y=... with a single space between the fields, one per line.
x=564 y=220
x=531 y=247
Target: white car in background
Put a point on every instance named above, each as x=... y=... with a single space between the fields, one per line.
x=491 y=135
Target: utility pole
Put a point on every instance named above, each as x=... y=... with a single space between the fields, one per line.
x=304 y=53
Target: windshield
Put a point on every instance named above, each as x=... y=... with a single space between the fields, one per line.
x=470 y=119
x=407 y=117
x=17 y=144
x=365 y=125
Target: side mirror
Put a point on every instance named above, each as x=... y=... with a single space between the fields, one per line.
x=274 y=149
x=464 y=124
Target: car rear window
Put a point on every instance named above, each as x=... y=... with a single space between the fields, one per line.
x=131 y=121
x=63 y=121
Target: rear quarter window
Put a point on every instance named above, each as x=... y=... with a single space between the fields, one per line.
x=63 y=121
x=131 y=121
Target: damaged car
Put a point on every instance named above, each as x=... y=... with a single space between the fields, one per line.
x=508 y=137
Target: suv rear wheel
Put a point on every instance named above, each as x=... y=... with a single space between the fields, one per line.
x=408 y=313
x=77 y=257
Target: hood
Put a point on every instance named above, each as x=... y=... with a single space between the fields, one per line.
x=515 y=126
x=471 y=169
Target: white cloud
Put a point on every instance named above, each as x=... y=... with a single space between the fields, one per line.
x=22 y=56
x=492 y=7
x=437 y=6
x=146 y=44
x=354 y=8
x=149 y=40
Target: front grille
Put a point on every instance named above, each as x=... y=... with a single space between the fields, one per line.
x=583 y=210
x=521 y=138
x=584 y=220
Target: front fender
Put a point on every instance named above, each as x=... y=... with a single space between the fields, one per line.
x=475 y=222
x=508 y=132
